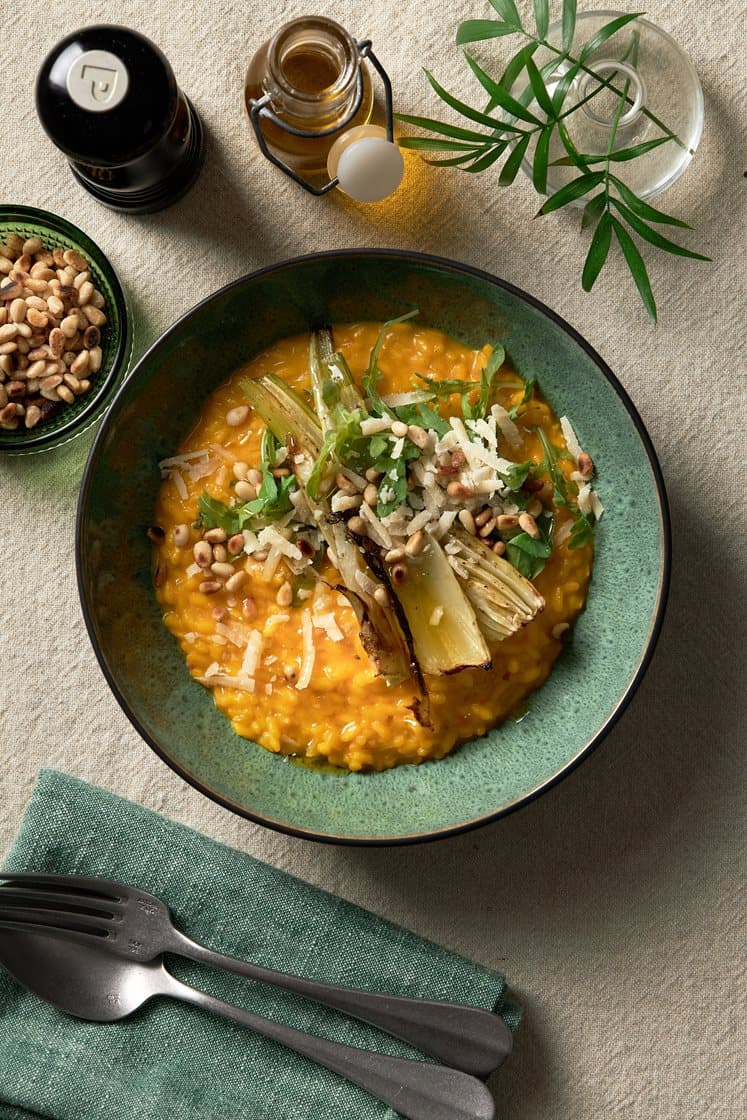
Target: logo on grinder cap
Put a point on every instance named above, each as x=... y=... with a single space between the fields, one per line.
x=97 y=81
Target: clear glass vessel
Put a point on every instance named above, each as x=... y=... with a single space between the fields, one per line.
x=661 y=89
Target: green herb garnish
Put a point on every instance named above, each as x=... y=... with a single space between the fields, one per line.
x=507 y=127
x=527 y=554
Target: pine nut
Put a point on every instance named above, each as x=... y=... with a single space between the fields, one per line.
x=415 y=544
x=372 y=475
x=95 y=358
x=585 y=465
x=245 y=491
x=236 y=544
x=358 y=526
x=398 y=573
x=215 y=535
x=483 y=517
x=371 y=495
x=51 y=382
x=81 y=279
x=181 y=535
x=210 y=586
x=36 y=369
x=85 y=291
x=220 y=553
x=65 y=394
x=33 y=416
x=71 y=381
x=16 y=390
x=395 y=554
x=56 y=306
x=535 y=508
x=236 y=581
x=399 y=429
x=80 y=365
x=486 y=529
x=237 y=416
x=203 y=554
x=32 y=245
x=506 y=521
x=419 y=436
x=69 y=326
x=91 y=337
x=56 y=342
x=254 y=476
x=284 y=597
x=529 y=525
x=8 y=332
x=240 y=470
x=249 y=608
x=74 y=259
x=223 y=570
x=499 y=548
x=560 y=629
x=345 y=484
x=381 y=596
x=458 y=490
x=18 y=310
x=8 y=347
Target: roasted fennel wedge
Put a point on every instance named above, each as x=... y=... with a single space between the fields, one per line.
x=503 y=600
x=443 y=625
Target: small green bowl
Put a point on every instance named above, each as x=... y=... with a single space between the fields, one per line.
x=593 y=678
x=116 y=341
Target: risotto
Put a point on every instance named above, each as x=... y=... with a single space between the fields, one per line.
x=469 y=467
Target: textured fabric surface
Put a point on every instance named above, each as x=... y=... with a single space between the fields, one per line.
x=616 y=901
x=176 y=1061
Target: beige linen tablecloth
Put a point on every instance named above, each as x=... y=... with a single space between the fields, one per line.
x=615 y=903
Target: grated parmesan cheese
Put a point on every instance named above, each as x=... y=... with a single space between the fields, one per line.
x=509 y=431
x=373 y=425
x=253 y=653
x=570 y=437
x=328 y=623
x=308 y=651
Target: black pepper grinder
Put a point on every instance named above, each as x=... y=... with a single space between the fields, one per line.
x=107 y=97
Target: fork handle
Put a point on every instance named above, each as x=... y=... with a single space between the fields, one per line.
x=468 y=1038
x=416 y=1090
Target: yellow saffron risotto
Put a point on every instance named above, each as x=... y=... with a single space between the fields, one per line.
x=345 y=715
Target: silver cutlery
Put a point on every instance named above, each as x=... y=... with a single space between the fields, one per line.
x=137 y=926
x=94 y=984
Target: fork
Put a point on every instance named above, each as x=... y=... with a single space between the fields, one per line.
x=133 y=924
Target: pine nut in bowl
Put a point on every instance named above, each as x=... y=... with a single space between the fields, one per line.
x=159 y=548
x=65 y=331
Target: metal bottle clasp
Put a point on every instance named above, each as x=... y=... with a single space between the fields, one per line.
x=261 y=108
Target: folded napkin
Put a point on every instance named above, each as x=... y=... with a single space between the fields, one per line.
x=174 y=1061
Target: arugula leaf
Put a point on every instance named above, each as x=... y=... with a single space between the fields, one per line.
x=528 y=555
x=515 y=477
x=582 y=532
x=215 y=514
x=529 y=388
x=373 y=374
x=550 y=464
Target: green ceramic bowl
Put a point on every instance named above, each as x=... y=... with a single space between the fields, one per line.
x=116 y=337
x=592 y=680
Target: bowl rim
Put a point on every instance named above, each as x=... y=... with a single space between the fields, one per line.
x=611 y=718
x=45 y=440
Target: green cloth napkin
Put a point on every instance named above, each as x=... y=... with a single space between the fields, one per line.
x=171 y=1061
